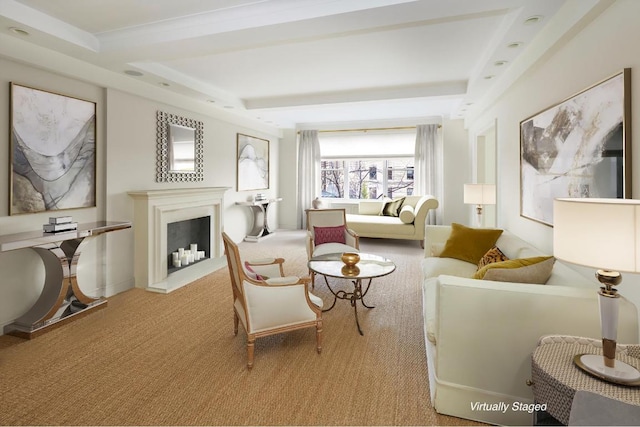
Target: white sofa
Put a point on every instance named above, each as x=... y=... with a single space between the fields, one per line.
x=480 y=334
x=368 y=222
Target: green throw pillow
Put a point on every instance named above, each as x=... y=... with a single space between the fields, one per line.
x=393 y=207
x=511 y=264
x=469 y=244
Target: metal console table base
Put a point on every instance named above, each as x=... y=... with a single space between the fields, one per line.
x=61 y=299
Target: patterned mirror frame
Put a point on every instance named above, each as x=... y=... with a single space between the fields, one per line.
x=163 y=173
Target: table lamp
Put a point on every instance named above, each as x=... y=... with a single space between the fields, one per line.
x=479 y=195
x=601 y=233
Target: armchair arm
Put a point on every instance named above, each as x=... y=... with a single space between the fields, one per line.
x=310 y=244
x=351 y=238
x=285 y=280
x=267 y=268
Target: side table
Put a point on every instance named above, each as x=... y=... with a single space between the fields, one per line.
x=555 y=378
x=61 y=299
x=260 y=210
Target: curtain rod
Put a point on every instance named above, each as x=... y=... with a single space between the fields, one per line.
x=368 y=129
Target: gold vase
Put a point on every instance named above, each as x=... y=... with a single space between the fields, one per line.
x=350 y=259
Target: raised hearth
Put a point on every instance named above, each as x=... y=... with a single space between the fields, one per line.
x=153 y=211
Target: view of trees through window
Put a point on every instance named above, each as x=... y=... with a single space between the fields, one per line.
x=367 y=179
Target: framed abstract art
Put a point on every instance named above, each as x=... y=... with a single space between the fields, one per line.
x=577 y=148
x=253 y=163
x=53 y=151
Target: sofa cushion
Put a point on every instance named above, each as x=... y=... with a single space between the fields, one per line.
x=493 y=255
x=407 y=214
x=370 y=207
x=469 y=244
x=510 y=264
x=436 y=249
x=535 y=273
x=434 y=267
x=392 y=208
x=375 y=224
x=514 y=247
x=322 y=235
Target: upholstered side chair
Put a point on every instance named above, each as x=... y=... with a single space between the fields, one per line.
x=266 y=302
x=327 y=233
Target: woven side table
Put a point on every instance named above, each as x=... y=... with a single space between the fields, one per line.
x=555 y=379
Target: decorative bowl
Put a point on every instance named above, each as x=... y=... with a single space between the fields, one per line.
x=350 y=259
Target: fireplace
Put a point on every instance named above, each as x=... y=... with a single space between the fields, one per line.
x=154 y=211
x=183 y=235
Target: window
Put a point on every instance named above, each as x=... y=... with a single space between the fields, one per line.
x=367 y=165
x=332 y=178
x=367 y=179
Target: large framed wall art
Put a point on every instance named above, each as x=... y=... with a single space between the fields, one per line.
x=53 y=151
x=577 y=148
x=253 y=163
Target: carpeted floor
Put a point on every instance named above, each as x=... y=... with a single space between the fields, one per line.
x=151 y=359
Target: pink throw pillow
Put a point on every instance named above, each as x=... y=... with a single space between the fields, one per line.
x=329 y=235
x=252 y=274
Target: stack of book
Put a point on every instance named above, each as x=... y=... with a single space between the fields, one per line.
x=60 y=223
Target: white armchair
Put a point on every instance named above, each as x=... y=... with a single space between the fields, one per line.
x=327 y=233
x=266 y=302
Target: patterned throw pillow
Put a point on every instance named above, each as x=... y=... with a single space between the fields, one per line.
x=250 y=273
x=329 y=235
x=493 y=255
x=393 y=207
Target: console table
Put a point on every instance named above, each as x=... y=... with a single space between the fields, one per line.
x=261 y=228
x=61 y=298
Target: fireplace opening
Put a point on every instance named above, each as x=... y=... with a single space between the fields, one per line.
x=181 y=235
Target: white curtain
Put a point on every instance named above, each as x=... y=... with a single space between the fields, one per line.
x=428 y=168
x=308 y=171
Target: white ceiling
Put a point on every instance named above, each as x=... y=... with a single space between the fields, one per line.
x=296 y=62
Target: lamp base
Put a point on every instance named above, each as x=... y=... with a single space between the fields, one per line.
x=622 y=373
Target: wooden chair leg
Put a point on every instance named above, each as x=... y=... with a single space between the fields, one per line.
x=319 y=336
x=236 y=320
x=250 y=348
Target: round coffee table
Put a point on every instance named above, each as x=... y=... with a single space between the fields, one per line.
x=369 y=267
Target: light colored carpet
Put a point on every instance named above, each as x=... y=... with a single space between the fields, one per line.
x=150 y=359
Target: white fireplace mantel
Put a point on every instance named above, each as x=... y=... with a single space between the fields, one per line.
x=153 y=211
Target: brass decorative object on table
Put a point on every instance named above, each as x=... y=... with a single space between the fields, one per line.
x=350 y=260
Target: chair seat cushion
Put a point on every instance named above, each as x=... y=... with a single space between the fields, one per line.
x=332 y=248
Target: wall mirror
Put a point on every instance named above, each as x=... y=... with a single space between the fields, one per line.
x=180 y=149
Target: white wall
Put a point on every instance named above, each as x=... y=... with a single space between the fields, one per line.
x=603 y=48
x=126 y=155
x=456 y=173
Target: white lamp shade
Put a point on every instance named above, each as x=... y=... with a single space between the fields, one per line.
x=480 y=194
x=601 y=233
